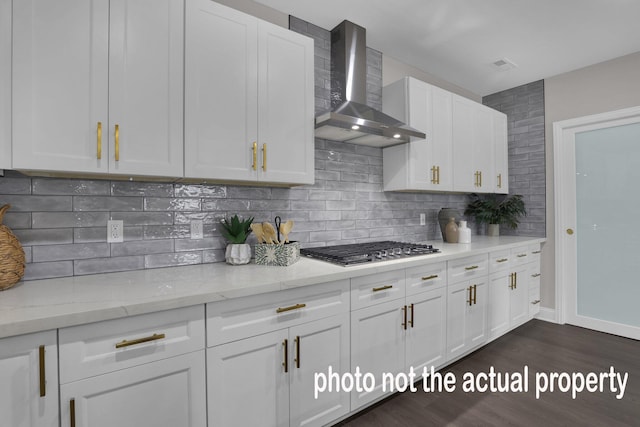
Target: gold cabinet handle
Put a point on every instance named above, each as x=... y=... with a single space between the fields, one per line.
x=475 y=175
x=254 y=149
x=128 y=343
x=382 y=288
x=43 y=377
x=285 y=362
x=117 y=137
x=99 y=142
x=437 y=174
x=473 y=267
x=470 y=300
x=72 y=413
x=297 y=359
x=264 y=157
x=536 y=252
x=535 y=302
x=433 y=276
x=499 y=180
x=290 y=308
x=515 y=280
x=411 y=321
x=521 y=255
x=535 y=275
x=404 y=316
x=502 y=260
x=434 y=180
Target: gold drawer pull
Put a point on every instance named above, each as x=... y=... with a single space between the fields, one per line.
x=473 y=267
x=382 y=288
x=535 y=275
x=536 y=302
x=264 y=157
x=43 y=376
x=293 y=307
x=117 y=137
x=125 y=343
x=297 y=359
x=536 y=252
x=72 y=413
x=285 y=362
x=433 y=276
x=254 y=149
x=502 y=260
x=521 y=255
x=99 y=142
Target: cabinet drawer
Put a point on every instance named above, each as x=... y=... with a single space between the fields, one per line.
x=499 y=260
x=246 y=317
x=427 y=277
x=377 y=288
x=467 y=268
x=534 y=252
x=102 y=347
x=534 y=301
x=521 y=255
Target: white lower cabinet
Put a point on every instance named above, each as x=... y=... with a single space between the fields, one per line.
x=29 y=380
x=264 y=352
x=466 y=316
x=508 y=294
x=141 y=371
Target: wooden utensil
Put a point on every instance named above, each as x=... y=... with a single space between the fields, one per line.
x=269 y=233
x=285 y=229
x=258 y=231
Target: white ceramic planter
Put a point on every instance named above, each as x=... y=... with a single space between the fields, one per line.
x=238 y=253
x=493 y=230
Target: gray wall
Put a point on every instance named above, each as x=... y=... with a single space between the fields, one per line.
x=524 y=107
x=62 y=222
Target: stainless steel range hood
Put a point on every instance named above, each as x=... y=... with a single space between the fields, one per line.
x=350 y=119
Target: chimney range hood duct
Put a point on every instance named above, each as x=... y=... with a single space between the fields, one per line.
x=350 y=119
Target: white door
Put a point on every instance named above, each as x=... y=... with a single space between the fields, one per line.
x=477 y=314
x=248 y=382
x=318 y=346
x=146 y=57
x=498 y=308
x=501 y=155
x=169 y=392
x=60 y=85
x=519 y=296
x=463 y=136
x=221 y=92
x=285 y=105
x=377 y=345
x=29 y=380
x=5 y=84
x=441 y=139
x=597 y=237
x=427 y=330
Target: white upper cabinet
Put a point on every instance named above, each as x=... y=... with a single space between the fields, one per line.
x=473 y=148
x=5 y=84
x=466 y=145
x=97 y=86
x=249 y=103
x=422 y=164
x=501 y=152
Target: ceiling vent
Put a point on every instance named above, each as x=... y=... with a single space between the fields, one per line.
x=503 y=64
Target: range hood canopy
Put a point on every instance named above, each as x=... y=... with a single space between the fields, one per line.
x=350 y=119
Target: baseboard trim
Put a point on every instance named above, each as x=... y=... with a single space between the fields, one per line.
x=547 y=314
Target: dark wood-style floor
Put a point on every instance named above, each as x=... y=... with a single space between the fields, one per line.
x=543 y=347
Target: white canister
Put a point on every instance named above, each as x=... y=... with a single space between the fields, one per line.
x=464 y=233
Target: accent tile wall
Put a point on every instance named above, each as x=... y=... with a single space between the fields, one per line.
x=62 y=222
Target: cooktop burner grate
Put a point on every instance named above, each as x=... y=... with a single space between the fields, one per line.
x=359 y=253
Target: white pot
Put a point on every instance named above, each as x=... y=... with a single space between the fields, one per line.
x=493 y=230
x=238 y=253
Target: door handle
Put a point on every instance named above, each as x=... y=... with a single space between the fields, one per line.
x=99 y=141
x=411 y=321
x=264 y=157
x=297 y=360
x=285 y=363
x=569 y=231
x=117 y=137
x=43 y=381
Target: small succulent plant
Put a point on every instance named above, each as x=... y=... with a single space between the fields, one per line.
x=236 y=230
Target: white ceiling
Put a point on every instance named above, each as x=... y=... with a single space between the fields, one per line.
x=458 y=40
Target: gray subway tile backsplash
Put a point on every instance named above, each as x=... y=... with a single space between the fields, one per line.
x=62 y=222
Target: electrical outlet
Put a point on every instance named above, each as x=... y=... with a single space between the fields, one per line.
x=197 y=231
x=423 y=219
x=115 y=231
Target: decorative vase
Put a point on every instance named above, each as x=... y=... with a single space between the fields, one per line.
x=493 y=230
x=451 y=231
x=443 y=218
x=238 y=253
x=464 y=233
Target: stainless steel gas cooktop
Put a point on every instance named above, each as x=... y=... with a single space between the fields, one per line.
x=360 y=253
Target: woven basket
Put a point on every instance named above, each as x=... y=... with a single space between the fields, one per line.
x=12 y=261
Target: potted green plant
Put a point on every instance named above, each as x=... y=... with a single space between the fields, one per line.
x=236 y=231
x=494 y=210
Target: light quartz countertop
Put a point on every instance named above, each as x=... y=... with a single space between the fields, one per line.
x=40 y=305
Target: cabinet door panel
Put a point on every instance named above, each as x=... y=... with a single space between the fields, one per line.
x=221 y=89
x=483 y=149
x=463 y=139
x=457 y=303
x=499 y=296
x=477 y=315
x=426 y=336
x=519 y=307
x=169 y=392
x=441 y=138
x=501 y=146
x=21 y=403
x=5 y=84
x=247 y=382
x=377 y=345
x=321 y=344
x=146 y=86
x=420 y=117
x=286 y=105
x=60 y=84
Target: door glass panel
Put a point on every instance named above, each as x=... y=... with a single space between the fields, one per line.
x=608 y=226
